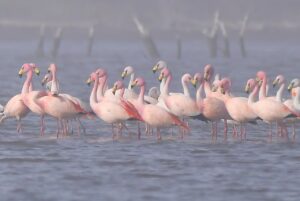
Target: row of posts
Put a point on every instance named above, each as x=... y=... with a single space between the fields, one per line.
x=57 y=41
x=211 y=35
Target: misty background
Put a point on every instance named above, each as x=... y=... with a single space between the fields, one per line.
x=268 y=19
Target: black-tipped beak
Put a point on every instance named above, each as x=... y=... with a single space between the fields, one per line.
x=290 y=87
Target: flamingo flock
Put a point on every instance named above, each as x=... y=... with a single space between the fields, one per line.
x=212 y=102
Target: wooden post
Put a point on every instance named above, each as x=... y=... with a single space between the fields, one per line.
x=241 y=36
x=226 y=50
x=178 y=42
x=57 y=41
x=91 y=37
x=147 y=39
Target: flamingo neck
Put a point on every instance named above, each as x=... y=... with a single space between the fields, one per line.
x=279 y=93
x=100 y=90
x=166 y=87
x=93 y=97
x=252 y=95
x=186 y=91
x=199 y=94
x=141 y=95
x=207 y=88
x=263 y=89
x=28 y=83
x=162 y=85
x=131 y=81
x=54 y=84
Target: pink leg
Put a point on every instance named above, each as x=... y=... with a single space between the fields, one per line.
x=139 y=131
x=42 y=126
x=270 y=134
x=158 y=134
x=225 y=127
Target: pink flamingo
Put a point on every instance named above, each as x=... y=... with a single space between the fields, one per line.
x=60 y=107
x=212 y=108
x=47 y=80
x=129 y=92
x=149 y=112
x=15 y=108
x=238 y=107
x=29 y=97
x=110 y=111
x=267 y=109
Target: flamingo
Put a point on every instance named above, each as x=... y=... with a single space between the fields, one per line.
x=110 y=111
x=181 y=105
x=211 y=108
x=238 y=107
x=29 y=97
x=47 y=81
x=16 y=108
x=58 y=106
x=149 y=112
x=267 y=109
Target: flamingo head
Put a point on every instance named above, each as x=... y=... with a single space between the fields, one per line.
x=154 y=92
x=52 y=68
x=225 y=85
x=138 y=82
x=92 y=78
x=163 y=74
x=159 y=66
x=251 y=83
x=101 y=72
x=47 y=78
x=128 y=70
x=293 y=84
x=197 y=79
x=208 y=72
x=186 y=78
x=28 y=67
x=260 y=76
x=278 y=80
x=117 y=85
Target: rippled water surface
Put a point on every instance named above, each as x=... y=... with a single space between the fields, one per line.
x=94 y=167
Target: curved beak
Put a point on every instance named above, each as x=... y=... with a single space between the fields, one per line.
x=43 y=82
x=222 y=90
x=275 y=82
x=161 y=77
x=259 y=81
x=247 y=89
x=21 y=72
x=37 y=71
x=114 y=89
x=194 y=82
x=290 y=87
x=155 y=68
x=133 y=84
x=124 y=74
x=89 y=81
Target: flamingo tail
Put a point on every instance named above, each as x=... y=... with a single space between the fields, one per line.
x=131 y=110
x=180 y=123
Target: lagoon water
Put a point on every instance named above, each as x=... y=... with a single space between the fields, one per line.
x=93 y=167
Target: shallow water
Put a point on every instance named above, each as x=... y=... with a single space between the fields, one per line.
x=93 y=166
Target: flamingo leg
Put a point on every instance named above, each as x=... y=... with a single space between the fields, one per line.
x=158 y=134
x=139 y=131
x=42 y=126
x=270 y=134
x=294 y=131
x=225 y=127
